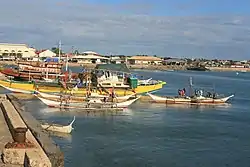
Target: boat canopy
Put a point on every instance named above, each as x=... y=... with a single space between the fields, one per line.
x=113 y=67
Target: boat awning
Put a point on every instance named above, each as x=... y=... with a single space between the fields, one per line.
x=113 y=67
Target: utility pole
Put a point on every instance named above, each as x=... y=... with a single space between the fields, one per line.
x=59 y=52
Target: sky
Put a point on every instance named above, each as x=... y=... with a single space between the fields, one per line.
x=178 y=28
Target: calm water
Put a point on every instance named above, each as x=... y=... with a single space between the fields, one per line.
x=160 y=135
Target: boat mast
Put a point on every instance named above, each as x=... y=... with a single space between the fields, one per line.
x=47 y=71
x=190 y=86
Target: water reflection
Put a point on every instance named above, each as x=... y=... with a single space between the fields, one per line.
x=59 y=135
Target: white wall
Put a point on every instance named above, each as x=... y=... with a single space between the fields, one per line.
x=8 y=49
x=47 y=53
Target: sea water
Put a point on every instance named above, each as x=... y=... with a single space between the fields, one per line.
x=158 y=135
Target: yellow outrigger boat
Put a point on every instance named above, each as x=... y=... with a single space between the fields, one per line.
x=110 y=78
x=20 y=87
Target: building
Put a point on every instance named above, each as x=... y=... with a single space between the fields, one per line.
x=46 y=53
x=117 y=59
x=174 y=61
x=10 y=51
x=89 y=57
x=144 y=60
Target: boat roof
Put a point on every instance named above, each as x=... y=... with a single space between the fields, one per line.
x=113 y=67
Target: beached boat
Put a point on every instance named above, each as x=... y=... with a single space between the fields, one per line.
x=93 y=103
x=189 y=100
x=59 y=128
x=170 y=100
x=81 y=98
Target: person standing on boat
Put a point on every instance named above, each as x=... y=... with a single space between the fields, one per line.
x=112 y=94
x=184 y=92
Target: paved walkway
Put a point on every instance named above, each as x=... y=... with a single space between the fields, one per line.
x=5 y=137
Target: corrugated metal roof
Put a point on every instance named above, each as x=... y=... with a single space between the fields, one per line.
x=113 y=67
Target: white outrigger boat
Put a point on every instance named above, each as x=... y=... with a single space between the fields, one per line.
x=82 y=98
x=196 y=98
x=91 y=104
x=59 y=128
x=189 y=100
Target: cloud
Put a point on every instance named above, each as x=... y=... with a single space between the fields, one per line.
x=105 y=29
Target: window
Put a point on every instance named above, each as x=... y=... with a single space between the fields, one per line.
x=106 y=84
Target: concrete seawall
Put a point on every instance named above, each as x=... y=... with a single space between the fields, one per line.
x=37 y=148
x=49 y=146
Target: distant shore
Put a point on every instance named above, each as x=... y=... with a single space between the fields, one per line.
x=152 y=67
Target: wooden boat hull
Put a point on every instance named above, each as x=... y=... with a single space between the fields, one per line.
x=80 y=91
x=188 y=100
x=26 y=76
x=169 y=100
x=204 y=100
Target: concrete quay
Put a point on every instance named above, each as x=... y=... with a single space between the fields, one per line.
x=23 y=143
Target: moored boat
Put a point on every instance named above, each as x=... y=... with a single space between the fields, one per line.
x=93 y=103
x=59 y=128
x=81 y=98
x=189 y=100
x=31 y=86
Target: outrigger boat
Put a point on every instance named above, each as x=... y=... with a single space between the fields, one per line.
x=91 y=104
x=81 y=98
x=189 y=100
x=106 y=76
x=196 y=98
x=59 y=128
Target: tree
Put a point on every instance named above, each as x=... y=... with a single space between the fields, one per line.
x=76 y=52
x=56 y=50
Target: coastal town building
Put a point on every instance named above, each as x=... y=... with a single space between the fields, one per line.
x=144 y=60
x=9 y=51
x=89 y=57
x=117 y=59
x=174 y=61
x=45 y=53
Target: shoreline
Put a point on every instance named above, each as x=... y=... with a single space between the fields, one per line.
x=152 y=67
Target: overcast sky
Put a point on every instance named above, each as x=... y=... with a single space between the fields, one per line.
x=177 y=28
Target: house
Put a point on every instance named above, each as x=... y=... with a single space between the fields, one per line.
x=117 y=59
x=89 y=57
x=46 y=53
x=174 y=61
x=144 y=60
x=9 y=51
